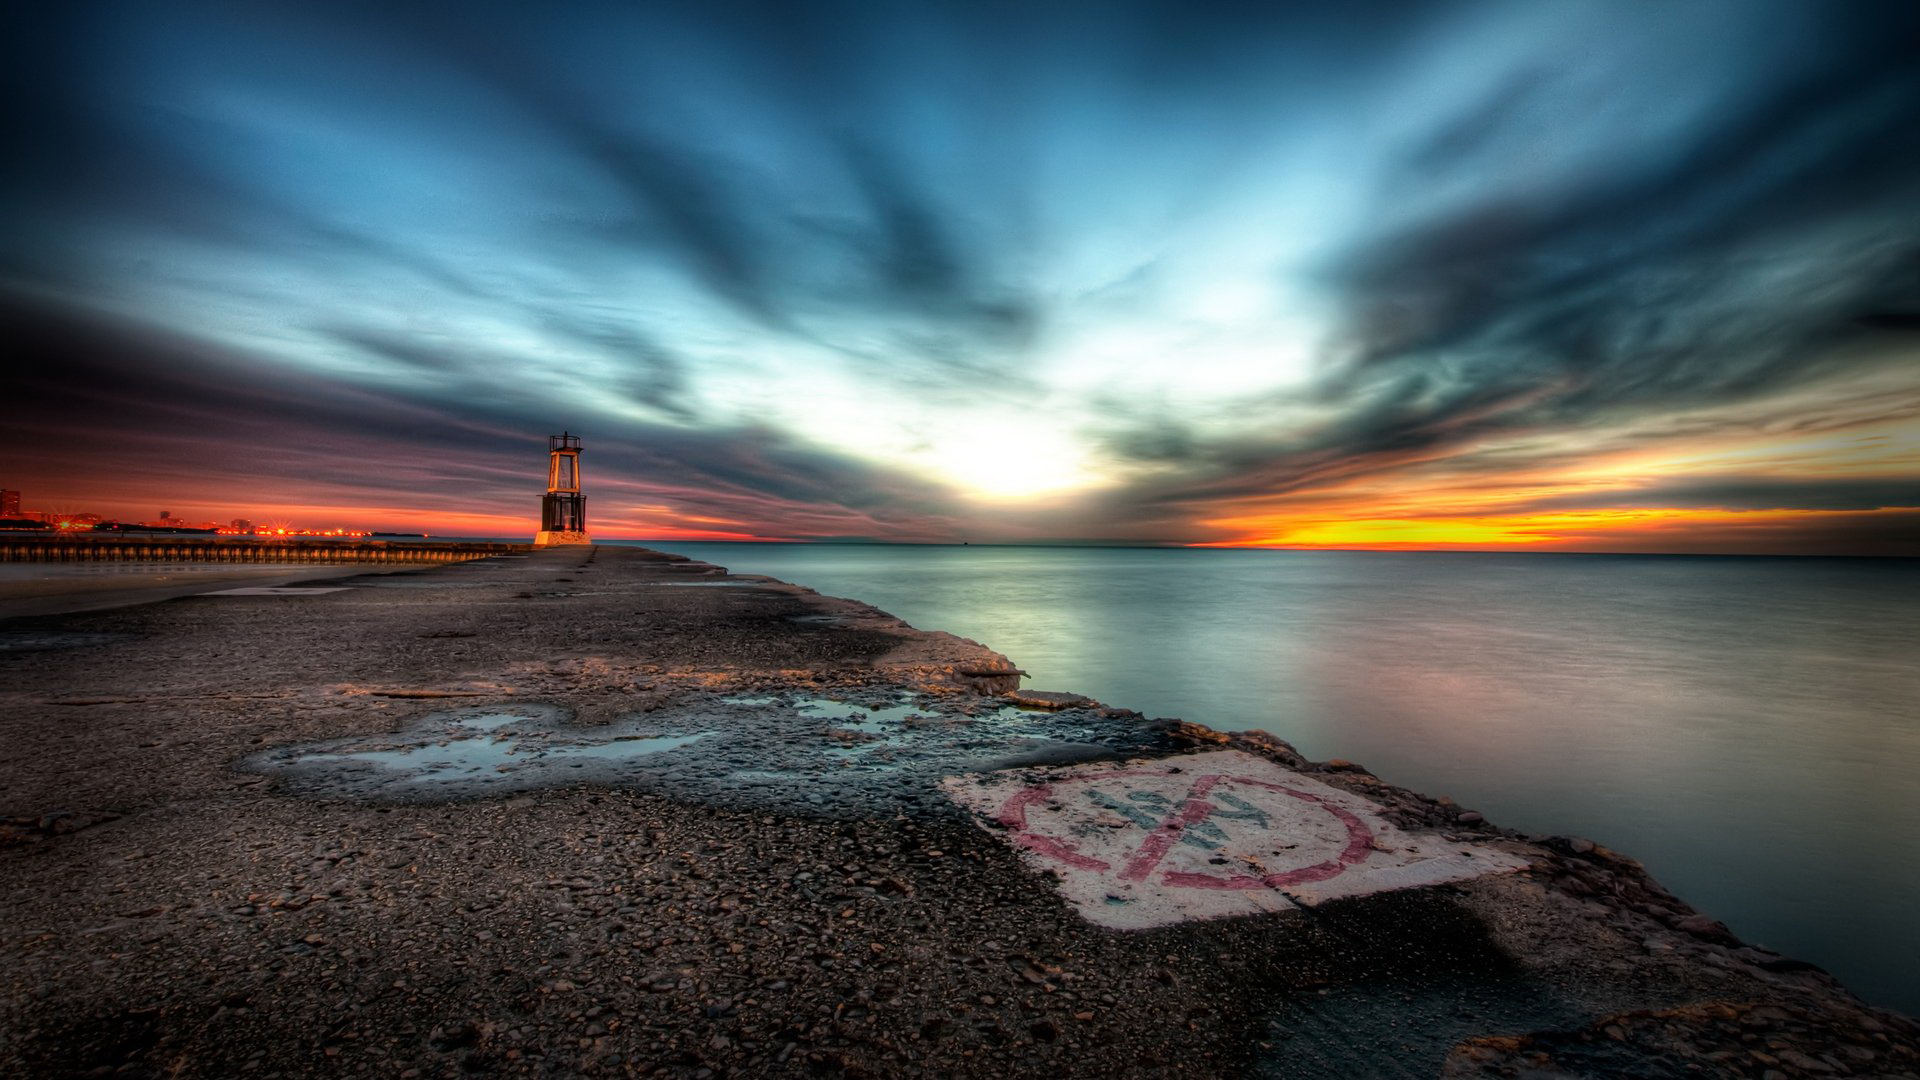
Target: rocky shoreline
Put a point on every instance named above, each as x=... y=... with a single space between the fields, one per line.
x=700 y=851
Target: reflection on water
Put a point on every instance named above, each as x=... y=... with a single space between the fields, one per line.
x=1747 y=727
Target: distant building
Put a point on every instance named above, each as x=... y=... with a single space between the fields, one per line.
x=9 y=504
x=242 y=525
x=165 y=516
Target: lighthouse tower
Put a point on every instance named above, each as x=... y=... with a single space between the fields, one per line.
x=563 y=512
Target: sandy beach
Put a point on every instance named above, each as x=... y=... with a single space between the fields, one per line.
x=604 y=811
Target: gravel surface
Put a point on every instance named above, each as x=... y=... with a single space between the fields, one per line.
x=203 y=879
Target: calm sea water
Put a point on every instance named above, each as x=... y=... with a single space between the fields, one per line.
x=1747 y=727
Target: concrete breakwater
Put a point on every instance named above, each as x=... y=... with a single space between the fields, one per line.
x=252 y=550
x=600 y=811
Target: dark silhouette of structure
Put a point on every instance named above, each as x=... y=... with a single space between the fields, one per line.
x=563 y=512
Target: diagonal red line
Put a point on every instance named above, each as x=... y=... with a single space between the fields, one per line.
x=1154 y=848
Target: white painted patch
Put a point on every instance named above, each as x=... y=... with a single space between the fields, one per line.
x=1151 y=843
x=276 y=590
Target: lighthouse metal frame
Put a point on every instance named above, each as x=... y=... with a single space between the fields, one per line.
x=563 y=510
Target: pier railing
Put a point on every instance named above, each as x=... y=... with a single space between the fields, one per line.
x=69 y=549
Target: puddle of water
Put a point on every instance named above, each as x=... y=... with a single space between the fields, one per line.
x=868 y=718
x=630 y=747
x=520 y=747
x=430 y=583
x=491 y=721
x=860 y=752
x=902 y=730
x=277 y=590
x=459 y=759
x=465 y=759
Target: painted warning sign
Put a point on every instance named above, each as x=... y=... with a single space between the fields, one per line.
x=1150 y=843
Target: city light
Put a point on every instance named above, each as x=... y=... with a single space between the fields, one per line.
x=74 y=521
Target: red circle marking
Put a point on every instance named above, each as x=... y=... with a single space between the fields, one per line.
x=1013 y=815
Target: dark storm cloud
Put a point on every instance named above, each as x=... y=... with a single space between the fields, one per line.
x=225 y=430
x=643 y=372
x=938 y=310
x=414 y=356
x=91 y=161
x=1604 y=286
x=1383 y=423
x=685 y=199
x=918 y=262
x=1653 y=283
x=672 y=191
x=1478 y=138
x=1891 y=320
x=952 y=323
x=222 y=425
x=1831 y=139
x=654 y=375
x=925 y=269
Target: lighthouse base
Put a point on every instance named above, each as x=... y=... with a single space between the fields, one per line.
x=557 y=539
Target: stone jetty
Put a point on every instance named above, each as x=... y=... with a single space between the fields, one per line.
x=604 y=811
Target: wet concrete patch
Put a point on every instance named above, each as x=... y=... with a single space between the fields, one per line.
x=1399 y=980
x=1348 y=1032
x=857 y=754
x=420 y=583
x=1151 y=843
x=278 y=590
x=467 y=751
x=819 y=620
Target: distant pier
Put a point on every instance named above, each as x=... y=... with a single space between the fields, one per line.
x=175 y=549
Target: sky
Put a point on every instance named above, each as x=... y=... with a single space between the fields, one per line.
x=1634 y=275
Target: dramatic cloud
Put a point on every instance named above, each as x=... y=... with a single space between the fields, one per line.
x=1614 y=276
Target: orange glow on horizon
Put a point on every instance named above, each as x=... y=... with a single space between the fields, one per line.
x=1560 y=531
x=1536 y=507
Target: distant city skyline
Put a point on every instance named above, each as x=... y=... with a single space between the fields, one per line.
x=14 y=507
x=1588 y=276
